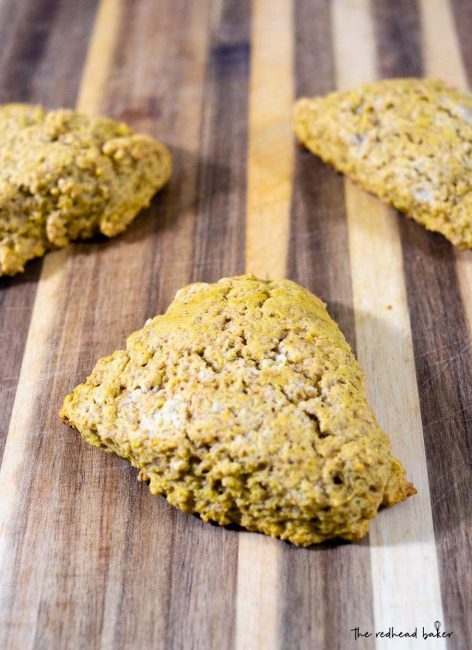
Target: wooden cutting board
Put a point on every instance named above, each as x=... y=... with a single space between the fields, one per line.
x=88 y=558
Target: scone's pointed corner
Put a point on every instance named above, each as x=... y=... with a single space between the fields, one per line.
x=299 y=114
x=410 y=490
x=398 y=489
x=63 y=411
x=166 y=161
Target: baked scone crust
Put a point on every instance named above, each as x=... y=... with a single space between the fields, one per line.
x=65 y=176
x=408 y=141
x=243 y=403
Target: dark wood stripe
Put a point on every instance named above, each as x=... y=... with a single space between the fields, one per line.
x=12 y=14
x=204 y=557
x=319 y=248
x=442 y=355
x=398 y=38
x=31 y=68
x=318 y=610
x=220 y=229
x=32 y=71
x=26 y=49
x=462 y=12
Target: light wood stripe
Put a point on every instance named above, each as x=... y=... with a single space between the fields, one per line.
x=31 y=384
x=403 y=550
x=269 y=177
x=270 y=157
x=442 y=58
x=99 y=56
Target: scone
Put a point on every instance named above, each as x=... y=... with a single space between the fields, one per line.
x=66 y=176
x=243 y=403
x=408 y=141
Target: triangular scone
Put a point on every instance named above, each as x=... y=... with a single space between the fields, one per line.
x=66 y=176
x=408 y=141
x=244 y=403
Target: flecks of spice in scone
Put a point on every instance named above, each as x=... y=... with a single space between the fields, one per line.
x=408 y=141
x=244 y=404
x=66 y=176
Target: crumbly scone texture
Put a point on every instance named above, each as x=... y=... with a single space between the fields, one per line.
x=408 y=141
x=244 y=403
x=65 y=176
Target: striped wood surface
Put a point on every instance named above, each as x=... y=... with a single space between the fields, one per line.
x=88 y=558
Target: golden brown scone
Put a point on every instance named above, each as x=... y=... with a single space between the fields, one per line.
x=244 y=403
x=66 y=176
x=408 y=141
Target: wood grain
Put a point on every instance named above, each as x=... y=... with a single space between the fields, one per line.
x=220 y=228
x=35 y=75
x=400 y=553
x=270 y=156
x=88 y=558
x=446 y=381
x=432 y=280
x=269 y=188
x=318 y=582
x=205 y=584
